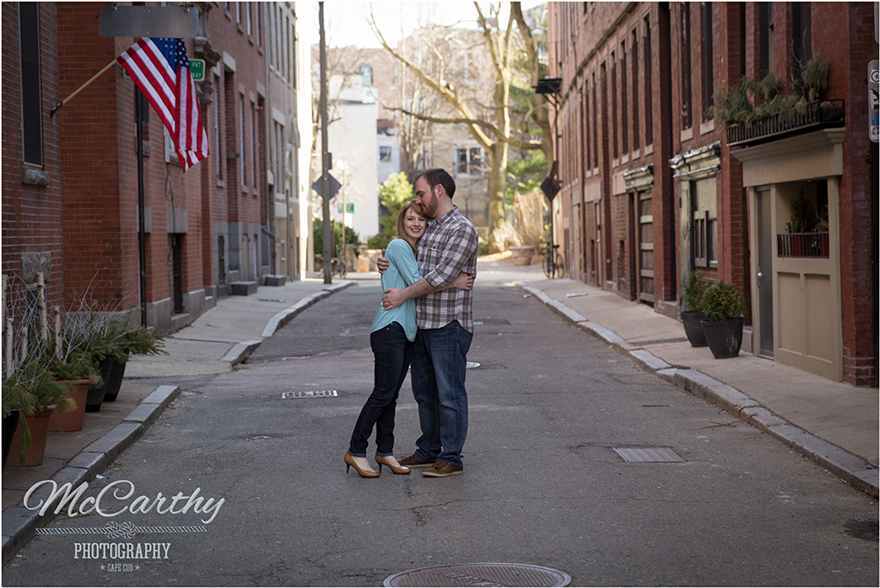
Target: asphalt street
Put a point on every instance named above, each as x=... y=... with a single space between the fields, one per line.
x=543 y=481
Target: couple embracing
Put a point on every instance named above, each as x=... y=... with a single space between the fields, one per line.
x=426 y=320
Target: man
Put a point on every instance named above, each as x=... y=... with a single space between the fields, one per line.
x=446 y=326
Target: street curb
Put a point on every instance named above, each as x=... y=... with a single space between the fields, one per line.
x=850 y=468
x=20 y=524
x=288 y=314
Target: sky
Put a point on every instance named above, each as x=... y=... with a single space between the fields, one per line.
x=346 y=23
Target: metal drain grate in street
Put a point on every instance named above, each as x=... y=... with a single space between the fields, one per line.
x=648 y=454
x=309 y=394
x=480 y=574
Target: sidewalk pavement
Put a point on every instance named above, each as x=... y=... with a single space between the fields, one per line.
x=834 y=424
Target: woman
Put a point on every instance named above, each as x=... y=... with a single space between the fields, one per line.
x=391 y=336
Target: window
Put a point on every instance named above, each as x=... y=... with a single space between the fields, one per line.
x=241 y=154
x=705 y=245
x=649 y=87
x=468 y=161
x=708 y=69
x=247 y=9
x=215 y=123
x=801 y=41
x=765 y=39
x=255 y=126
x=384 y=153
x=634 y=58
x=366 y=75
x=686 y=106
x=32 y=132
x=613 y=95
x=624 y=104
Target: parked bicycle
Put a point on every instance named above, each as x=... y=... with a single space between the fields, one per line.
x=338 y=267
x=552 y=267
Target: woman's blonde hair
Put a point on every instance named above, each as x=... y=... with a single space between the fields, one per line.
x=401 y=216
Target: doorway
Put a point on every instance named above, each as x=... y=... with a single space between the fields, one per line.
x=764 y=272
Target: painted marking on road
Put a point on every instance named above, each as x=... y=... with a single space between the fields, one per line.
x=309 y=394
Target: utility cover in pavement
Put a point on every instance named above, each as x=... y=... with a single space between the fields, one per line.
x=648 y=454
x=309 y=394
x=481 y=574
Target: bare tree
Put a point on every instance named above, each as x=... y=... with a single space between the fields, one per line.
x=488 y=124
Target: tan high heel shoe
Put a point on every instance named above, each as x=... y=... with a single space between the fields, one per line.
x=349 y=463
x=394 y=467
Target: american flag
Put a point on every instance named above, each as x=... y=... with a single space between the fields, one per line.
x=160 y=68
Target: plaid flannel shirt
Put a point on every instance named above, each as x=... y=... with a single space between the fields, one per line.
x=448 y=248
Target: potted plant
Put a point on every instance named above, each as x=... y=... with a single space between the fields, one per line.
x=138 y=341
x=723 y=305
x=33 y=390
x=76 y=367
x=692 y=300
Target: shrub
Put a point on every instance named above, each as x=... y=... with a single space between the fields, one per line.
x=692 y=297
x=722 y=301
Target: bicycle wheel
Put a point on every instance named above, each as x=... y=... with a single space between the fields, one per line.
x=549 y=265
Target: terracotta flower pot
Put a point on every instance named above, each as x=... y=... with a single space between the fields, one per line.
x=39 y=426
x=72 y=420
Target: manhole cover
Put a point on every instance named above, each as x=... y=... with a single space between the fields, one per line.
x=648 y=454
x=309 y=394
x=481 y=574
x=471 y=365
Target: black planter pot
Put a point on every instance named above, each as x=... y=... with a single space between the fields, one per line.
x=96 y=393
x=724 y=337
x=114 y=382
x=693 y=329
x=10 y=424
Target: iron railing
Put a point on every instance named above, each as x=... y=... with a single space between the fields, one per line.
x=816 y=115
x=802 y=245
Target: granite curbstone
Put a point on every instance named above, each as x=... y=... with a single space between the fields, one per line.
x=648 y=360
x=20 y=524
x=117 y=440
x=241 y=351
x=850 y=468
x=163 y=396
x=288 y=314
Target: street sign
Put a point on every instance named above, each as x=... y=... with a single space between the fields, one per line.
x=349 y=207
x=196 y=66
x=334 y=186
x=874 y=100
x=148 y=21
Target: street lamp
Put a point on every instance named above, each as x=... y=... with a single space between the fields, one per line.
x=550 y=186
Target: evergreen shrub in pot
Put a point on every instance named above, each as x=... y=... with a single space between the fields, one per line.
x=723 y=305
x=692 y=300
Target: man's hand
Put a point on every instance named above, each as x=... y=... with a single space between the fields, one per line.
x=393 y=298
x=462 y=282
x=382 y=263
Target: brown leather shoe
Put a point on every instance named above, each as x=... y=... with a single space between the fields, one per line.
x=441 y=469
x=414 y=461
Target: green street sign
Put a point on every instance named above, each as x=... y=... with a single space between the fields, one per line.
x=196 y=66
x=349 y=207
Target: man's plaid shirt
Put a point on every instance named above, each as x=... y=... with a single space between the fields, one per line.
x=448 y=248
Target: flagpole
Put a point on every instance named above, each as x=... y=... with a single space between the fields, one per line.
x=81 y=88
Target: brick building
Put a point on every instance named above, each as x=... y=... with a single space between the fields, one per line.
x=655 y=185
x=70 y=182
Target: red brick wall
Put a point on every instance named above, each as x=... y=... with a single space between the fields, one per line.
x=32 y=214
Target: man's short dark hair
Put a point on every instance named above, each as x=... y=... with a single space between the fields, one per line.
x=439 y=176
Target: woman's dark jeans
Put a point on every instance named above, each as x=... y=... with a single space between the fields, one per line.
x=391 y=350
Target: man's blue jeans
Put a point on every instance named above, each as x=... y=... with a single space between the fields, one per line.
x=391 y=352
x=439 y=360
